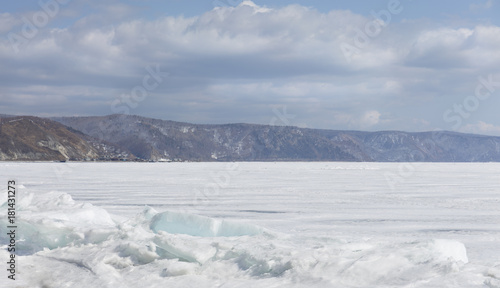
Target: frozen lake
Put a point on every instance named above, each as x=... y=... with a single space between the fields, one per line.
x=323 y=224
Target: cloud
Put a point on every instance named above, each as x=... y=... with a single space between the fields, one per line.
x=482 y=6
x=481 y=128
x=370 y=118
x=235 y=64
x=441 y=49
x=7 y=22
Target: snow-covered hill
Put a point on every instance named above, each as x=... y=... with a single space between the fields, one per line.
x=154 y=139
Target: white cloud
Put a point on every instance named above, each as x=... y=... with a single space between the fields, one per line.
x=440 y=48
x=370 y=118
x=481 y=128
x=7 y=22
x=484 y=5
x=257 y=56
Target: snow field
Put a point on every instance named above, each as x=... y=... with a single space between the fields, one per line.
x=268 y=243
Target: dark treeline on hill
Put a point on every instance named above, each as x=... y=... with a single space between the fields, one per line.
x=127 y=138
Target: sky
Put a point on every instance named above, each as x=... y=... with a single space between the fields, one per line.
x=346 y=65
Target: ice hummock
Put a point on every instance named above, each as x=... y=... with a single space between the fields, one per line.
x=66 y=243
x=195 y=225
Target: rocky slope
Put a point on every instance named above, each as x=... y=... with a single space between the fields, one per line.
x=28 y=138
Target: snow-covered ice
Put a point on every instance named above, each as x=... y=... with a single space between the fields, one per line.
x=254 y=224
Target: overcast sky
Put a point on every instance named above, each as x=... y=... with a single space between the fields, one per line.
x=357 y=65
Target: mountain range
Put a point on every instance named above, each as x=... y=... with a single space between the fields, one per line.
x=128 y=137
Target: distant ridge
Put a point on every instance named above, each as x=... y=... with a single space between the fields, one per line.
x=162 y=140
x=128 y=137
